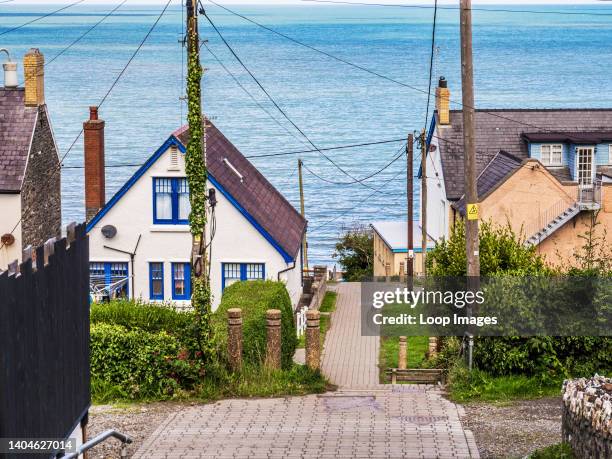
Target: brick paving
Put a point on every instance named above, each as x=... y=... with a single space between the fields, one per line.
x=363 y=419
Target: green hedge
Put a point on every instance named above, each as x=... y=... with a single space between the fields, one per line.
x=140 y=364
x=255 y=298
x=134 y=314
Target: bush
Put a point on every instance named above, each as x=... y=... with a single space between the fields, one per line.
x=138 y=364
x=135 y=314
x=355 y=253
x=255 y=298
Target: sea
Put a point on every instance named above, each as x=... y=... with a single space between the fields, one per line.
x=524 y=57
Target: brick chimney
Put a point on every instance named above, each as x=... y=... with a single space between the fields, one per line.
x=443 y=102
x=95 y=193
x=34 y=74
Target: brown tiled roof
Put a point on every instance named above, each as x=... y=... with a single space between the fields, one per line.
x=497 y=171
x=17 y=123
x=254 y=193
x=503 y=130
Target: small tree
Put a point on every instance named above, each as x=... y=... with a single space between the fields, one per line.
x=355 y=253
x=595 y=255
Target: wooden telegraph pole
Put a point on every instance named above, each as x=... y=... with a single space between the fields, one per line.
x=195 y=159
x=302 y=211
x=469 y=146
x=423 y=202
x=410 y=209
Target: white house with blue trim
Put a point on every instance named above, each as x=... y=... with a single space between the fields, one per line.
x=140 y=242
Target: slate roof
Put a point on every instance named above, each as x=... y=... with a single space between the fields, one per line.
x=17 y=124
x=503 y=129
x=497 y=171
x=254 y=193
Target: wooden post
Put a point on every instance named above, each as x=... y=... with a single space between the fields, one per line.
x=273 y=345
x=423 y=201
x=303 y=213
x=234 y=339
x=313 y=339
x=469 y=145
x=410 y=210
x=402 y=363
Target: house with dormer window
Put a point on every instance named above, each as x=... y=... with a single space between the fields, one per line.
x=140 y=241
x=547 y=172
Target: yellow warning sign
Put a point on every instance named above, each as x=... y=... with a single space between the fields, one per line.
x=472 y=211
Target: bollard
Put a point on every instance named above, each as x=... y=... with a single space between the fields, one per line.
x=313 y=339
x=234 y=339
x=402 y=363
x=273 y=344
x=433 y=347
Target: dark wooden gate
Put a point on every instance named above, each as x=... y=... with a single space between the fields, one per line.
x=44 y=340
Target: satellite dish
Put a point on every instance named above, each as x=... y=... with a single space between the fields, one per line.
x=109 y=231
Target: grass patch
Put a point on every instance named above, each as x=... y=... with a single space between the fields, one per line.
x=327 y=305
x=389 y=353
x=558 y=451
x=477 y=385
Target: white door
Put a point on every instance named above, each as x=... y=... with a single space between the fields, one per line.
x=585 y=167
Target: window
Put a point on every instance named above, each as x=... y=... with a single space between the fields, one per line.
x=234 y=272
x=551 y=155
x=171 y=201
x=610 y=154
x=156 y=281
x=181 y=281
x=109 y=279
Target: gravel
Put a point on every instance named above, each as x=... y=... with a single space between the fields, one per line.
x=138 y=421
x=515 y=429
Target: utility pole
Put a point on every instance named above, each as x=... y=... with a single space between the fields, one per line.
x=410 y=209
x=469 y=146
x=302 y=211
x=424 y=202
x=195 y=166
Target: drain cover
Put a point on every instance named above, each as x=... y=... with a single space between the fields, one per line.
x=422 y=420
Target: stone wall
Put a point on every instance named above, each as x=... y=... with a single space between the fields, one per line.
x=41 y=191
x=587 y=416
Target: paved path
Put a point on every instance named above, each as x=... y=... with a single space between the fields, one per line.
x=363 y=419
x=349 y=359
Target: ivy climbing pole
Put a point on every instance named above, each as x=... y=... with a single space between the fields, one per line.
x=197 y=177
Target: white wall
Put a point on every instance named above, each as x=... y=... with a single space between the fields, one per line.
x=437 y=205
x=10 y=214
x=236 y=240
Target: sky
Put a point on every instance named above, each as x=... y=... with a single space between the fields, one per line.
x=418 y=2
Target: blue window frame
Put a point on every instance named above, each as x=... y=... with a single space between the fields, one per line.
x=181 y=281
x=171 y=201
x=234 y=272
x=156 y=281
x=110 y=276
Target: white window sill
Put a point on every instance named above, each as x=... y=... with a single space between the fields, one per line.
x=169 y=229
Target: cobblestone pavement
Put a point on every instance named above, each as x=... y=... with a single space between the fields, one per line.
x=363 y=419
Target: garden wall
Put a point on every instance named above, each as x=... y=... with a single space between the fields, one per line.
x=587 y=416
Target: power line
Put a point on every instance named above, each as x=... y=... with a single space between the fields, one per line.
x=380 y=75
x=431 y=60
x=151 y=29
x=41 y=17
x=486 y=10
x=276 y=104
x=341 y=147
x=248 y=93
x=110 y=13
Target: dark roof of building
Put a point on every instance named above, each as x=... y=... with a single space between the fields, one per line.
x=569 y=137
x=253 y=192
x=502 y=166
x=503 y=130
x=17 y=124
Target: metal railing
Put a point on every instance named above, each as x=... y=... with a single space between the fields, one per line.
x=125 y=440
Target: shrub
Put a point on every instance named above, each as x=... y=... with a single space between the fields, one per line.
x=355 y=253
x=135 y=314
x=255 y=298
x=138 y=364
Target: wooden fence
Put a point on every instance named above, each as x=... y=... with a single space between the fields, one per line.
x=44 y=340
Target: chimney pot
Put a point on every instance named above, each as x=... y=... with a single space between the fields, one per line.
x=443 y=83
x=95 y=190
